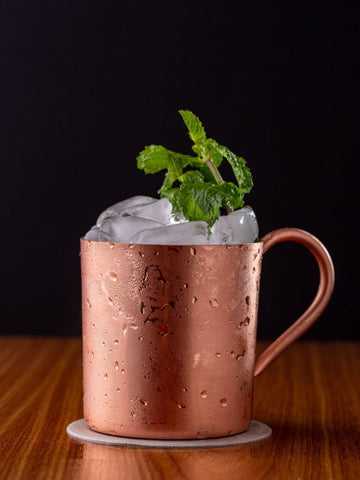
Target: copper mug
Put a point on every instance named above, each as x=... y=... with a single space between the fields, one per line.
x=169 y=334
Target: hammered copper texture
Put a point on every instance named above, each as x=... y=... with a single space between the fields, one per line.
x=169 y=338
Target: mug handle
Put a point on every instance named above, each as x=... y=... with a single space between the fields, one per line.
x=313 y=312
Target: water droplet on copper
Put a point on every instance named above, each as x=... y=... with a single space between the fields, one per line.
x=232 y=353
x=140 y=338
x=164 y=330
x=103 y=344
x=113 y=276
x=142 y=307
x=112 y=245
x=122 y=371
x=92 y=354
x=116 y=365
x=193 y=251
x=181 y=405
x=142 y=254
x=184 y=389
x=240 y=355
x=88 y=303
x=223 y=402
x=105 y=376
x=118 y=390
x=213 y=302
x=111 y=301
x=116 y=343
x=143 y=401
x=194 y=300
x=133 y=414
x=204 y=394
x=246 y=321
x=185 y=285
x=93 y=325
x=217 y=354
x=247 y=300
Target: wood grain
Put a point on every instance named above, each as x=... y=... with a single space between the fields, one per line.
x=310 y=397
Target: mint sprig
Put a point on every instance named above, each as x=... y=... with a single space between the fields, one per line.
x=193 y=184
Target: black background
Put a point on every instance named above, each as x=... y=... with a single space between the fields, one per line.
x=84 y=87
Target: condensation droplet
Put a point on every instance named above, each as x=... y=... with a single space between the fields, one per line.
x=140 y=338
x=244 y=323
x=185 y=285
x=93 y=325
x=194 y=300
x=92 y=354
x=112 y=245
x=213 y=302
x=164 y=330
x=118 y=390
x=217 y=354
x=116 y=365
x=223 y=402
x=133 y=414
x=122 y=371
x=204 y=394
x=184 y=389
x=103 y=344
x=232 y=353
x=88 y=303
x=247 y=300
x=193 y=251
x=142 y=254
x=111 y=301
x=105 y=376
x=181 y=405
x=113 y=276
x=143 y=401
x=116 y=343
x=240 y=355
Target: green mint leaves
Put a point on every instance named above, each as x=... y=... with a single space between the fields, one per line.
x=193 y=184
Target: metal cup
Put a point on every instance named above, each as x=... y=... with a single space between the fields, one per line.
x=169 y=335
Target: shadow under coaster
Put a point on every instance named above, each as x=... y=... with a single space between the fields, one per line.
x=257 y=431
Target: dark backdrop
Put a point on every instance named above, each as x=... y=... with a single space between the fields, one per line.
x=84 y=87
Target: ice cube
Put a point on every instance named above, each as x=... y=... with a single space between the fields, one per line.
x=189 y=233
x=118 y=209
x=158 y=211
x=122 y=229
x=93 y=234
x=237 y=227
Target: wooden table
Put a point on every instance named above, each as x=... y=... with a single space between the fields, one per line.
x=310 y=397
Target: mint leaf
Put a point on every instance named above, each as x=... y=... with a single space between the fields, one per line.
x=200 y=201
x=194 y=126
x=238 y=164
x=193 y=184
x=231 y=195
x=155 y=158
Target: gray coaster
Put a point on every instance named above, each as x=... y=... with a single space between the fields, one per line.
x=257 y=431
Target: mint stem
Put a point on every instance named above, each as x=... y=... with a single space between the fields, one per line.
x=217 y=176
x=215 y=172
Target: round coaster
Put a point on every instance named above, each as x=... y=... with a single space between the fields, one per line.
x=257 y=431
